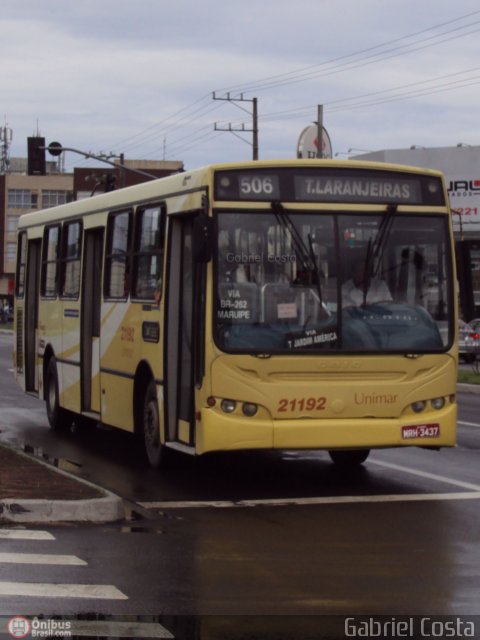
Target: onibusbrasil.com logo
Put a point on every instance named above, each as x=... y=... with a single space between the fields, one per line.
x=21 y=627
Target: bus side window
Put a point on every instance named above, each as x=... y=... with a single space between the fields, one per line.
x=149 y=250
x=50 y=261
x=117 y=259
x=70 y=259
x=21 y=264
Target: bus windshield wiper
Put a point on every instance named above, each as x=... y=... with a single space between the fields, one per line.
x=381 y=237
x=376 y=248
x=306 y=253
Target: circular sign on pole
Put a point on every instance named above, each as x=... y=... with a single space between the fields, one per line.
x=307 y=146
x=55 y=148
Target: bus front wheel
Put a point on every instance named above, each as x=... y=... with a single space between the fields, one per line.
x=349 y=458
x=154 y=449
x=55 y=414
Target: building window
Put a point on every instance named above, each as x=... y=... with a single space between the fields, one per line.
x=54 y=197
x=11 y=251
x=12 y=224
x=22 y=199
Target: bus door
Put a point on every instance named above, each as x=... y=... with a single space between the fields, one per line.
x=31 y=314
x=179 y=334
x=91 y=319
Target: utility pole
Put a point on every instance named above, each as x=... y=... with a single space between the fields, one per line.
x=122 y=170
x=242 y=128
x=320 y=131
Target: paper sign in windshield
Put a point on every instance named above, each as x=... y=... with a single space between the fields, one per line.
x=286 y=310
x=310 y=338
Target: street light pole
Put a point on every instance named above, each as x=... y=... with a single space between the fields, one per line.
x=55 y=149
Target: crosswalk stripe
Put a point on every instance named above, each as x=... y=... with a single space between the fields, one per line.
x=44 y=589
x=25 y=534
x=49 y=590
x=40 y=558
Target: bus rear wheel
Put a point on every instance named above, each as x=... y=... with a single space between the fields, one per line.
x=57 y=417
x=349 y=458
x=154 y=449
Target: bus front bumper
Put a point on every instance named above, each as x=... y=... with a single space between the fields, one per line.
x=222 y=432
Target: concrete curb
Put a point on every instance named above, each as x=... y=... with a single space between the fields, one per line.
x=107 y=508
x=98 y=510
x=468 y=388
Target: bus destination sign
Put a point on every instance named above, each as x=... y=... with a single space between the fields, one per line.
x=356 y=189
x=328 y=185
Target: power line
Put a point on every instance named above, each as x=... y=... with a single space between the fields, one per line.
x=146 y=131
x=352 y=101
x=184 y=121
x=195 y=141
x=393 y=53
x=450 y=86
x=173 y=144
x=306 y=73
x=180 y=124
x=186 y=116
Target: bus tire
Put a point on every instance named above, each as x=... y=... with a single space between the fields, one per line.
x=154 y=449
x=57 y=417
x=349 y=458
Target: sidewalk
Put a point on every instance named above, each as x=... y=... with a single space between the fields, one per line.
x=34 y=491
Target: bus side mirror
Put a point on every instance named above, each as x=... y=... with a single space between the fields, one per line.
x=202 y=239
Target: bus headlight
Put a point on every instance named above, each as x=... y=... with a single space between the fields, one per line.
x=438 y=403
x=249 y=409
x=228 y=406
x=419 y=406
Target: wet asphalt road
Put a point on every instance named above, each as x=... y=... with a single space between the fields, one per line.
x=261 y=533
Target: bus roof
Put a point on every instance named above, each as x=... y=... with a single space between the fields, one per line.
x=194 y=180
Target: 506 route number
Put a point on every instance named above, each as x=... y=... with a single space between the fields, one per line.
x=301 y=404
x=256 y=185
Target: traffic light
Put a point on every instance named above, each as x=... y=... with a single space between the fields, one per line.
x=36 y=156
x=110 y=181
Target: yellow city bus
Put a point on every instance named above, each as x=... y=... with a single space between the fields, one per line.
x=303 y=304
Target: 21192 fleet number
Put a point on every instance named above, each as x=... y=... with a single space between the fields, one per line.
x=286 y=405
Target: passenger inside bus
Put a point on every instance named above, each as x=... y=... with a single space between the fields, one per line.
x=158 y=291
x=363 y=288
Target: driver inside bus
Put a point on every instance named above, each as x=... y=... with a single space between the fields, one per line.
x=362 y=288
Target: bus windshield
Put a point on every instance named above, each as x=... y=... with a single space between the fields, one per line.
x=333 y=282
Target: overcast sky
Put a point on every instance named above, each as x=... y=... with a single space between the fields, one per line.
x=136 y=77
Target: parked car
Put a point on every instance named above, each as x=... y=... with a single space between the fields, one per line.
x=468 y=340
x=475 y=324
